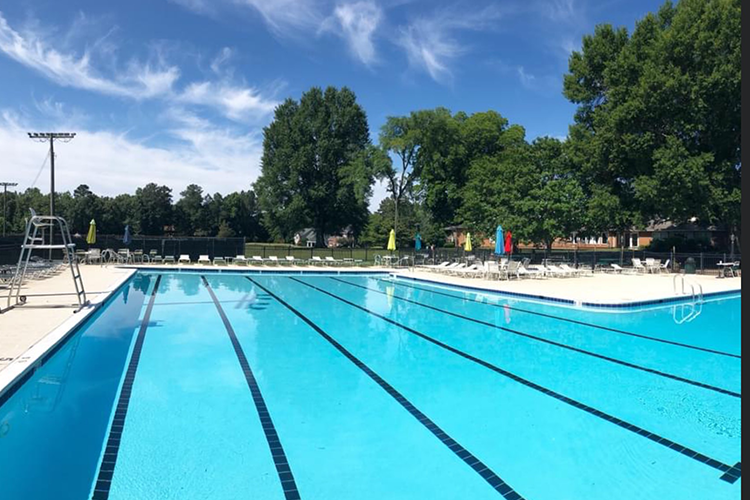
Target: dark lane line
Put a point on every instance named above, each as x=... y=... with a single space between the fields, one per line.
x=288 y=483
x=556 y=344
x=472 y=461
x=107 y=467
x=568 y=320
x=732 y=473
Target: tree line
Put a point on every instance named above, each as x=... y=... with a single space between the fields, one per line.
x=655 y=136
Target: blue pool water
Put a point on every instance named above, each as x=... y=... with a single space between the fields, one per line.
x=225 y=386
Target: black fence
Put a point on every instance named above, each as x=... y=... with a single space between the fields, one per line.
x=231 y=247
x=192 y=246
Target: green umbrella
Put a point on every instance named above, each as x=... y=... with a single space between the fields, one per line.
x=91 y=237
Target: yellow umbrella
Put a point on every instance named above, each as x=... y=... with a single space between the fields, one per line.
x=392 y=240
x=467 y=244
x=91 y=237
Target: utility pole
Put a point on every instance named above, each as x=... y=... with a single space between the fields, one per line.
x=5 y=186
x=44 y=137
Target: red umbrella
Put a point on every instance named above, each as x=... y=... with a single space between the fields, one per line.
x=508 y=242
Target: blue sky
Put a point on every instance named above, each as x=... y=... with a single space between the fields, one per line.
x=178 y=91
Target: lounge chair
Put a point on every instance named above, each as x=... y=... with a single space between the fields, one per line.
x=220 y=261
x=169 y=259
x=315 y=260
x=638 y=266
x=184 y=259
x=622 y=270
x=240 y=260
x=665 y=266
x=272 y=259
x=455 y=271
x=203 y=259
x=330 y=261
x=472 y=271
x=442 y=265
x=523 y=271
x=257 y=259
x=447 y=269
x=291 y=260
x=574 y=271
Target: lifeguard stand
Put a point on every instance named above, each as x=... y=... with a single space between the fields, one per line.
x=33 y=241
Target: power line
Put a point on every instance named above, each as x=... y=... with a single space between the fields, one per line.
x=40 y=170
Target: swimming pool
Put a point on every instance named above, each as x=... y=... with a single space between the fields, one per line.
x=266 y=386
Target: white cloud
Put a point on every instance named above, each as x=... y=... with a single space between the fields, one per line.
x=237 y=103
x=357 y=22
x=284 y=17
x=431 y=45
x=139 y=81
x=32 y=50
x=111 y=163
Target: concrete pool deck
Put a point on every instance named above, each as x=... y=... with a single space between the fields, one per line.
x=28 y=331
x=601 y=288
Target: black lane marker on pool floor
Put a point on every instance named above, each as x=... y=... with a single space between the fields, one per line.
x=556 y=344
x=107 y=467
x=713 y=463
x=274 y=443
x=568 y=320
x=472 y=461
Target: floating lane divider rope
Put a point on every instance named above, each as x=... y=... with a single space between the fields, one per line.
x=472 y=461
x=107 y=467
x=731 y=472
x=283 y=469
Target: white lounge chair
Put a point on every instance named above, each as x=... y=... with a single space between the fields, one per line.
x=203 y=259
x=622 y=270
x=665 y=266
x=472 y=271
x=330 y=261
x=240 y=260
x=169 y=259
x=257 y=259
x=573 y=271
x=272 y=259
x=184 y=259
x=291 y=260
x=524 y=271
x=455 y=271
x=220 y=261
x=638 y=266
x=315 y=260
x=447 y=269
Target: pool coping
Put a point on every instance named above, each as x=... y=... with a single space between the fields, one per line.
x=13 y=376
x=571 y=302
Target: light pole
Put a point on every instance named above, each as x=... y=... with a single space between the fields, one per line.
x=5 y=200
x=44 y=137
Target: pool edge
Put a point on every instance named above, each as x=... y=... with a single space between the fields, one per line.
x=15 y=374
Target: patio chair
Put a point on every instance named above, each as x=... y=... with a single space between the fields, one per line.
x=94 y=255
x=330 y=261
x=622 y=270
x=240 y=260
x=272 y=259
x=447 y=269
x=203 y=259
x=257 y=259
x=220 y=261
x=471 y=271
x=665 y=266
x=291 y=260
x=184 y=259
x=524 y=271
x=575 y=271
x=315 y=260
x=169 y=259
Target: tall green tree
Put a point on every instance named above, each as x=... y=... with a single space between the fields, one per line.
x=658 y=119
x=307 y=178
x=189 y=213
x=531 y=190
x=153 y=208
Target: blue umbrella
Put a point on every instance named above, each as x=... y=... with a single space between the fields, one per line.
x=126 y=238
x=418 y=242
x=499 y=241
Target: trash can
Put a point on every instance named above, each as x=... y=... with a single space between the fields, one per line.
x=690 y=265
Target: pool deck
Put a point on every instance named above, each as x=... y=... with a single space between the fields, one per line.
x=599 y=289
x=27 y=332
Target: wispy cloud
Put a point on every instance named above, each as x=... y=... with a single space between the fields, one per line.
x=136 y=80
x=237 y=103
x=356 y=22
x=139 y=80
x=285 y=17
x=431 y=44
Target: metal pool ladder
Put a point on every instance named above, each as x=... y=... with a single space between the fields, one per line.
x=688 y=311
x=32 y=241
